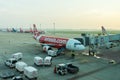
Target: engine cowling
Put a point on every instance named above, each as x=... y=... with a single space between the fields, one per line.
x=46 y=48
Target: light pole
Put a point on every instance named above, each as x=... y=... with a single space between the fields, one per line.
x=54 y=27
x=40 y=26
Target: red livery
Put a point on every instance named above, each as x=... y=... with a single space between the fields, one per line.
x=61 y=43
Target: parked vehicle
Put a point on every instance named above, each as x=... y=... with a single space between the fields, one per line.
x=71 y=68
x=17 y=56
x=48 y=60
x=17 y=78
x=20 y=66
x=38 y=61
x=60 y=69
x=63 y=69
x=30 y=72
x=52 y=53
x=6 y=74
x=10 y=62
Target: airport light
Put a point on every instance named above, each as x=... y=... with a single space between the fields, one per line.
x=40 y=26
x=54 y=27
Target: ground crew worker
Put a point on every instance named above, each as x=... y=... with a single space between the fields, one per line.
x=55 y=69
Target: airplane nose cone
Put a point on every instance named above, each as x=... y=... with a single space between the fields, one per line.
x=82 y=47
x=79 y=47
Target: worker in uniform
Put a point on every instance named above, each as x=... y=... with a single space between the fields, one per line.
x=55 y=69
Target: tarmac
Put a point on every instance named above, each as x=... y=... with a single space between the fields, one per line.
x=90 y=68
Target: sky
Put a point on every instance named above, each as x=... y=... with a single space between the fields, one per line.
x=66 y=14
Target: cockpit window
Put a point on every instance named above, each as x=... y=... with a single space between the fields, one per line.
x=75 y=44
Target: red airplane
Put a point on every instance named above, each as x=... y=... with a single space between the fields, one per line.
x=25 y=31
x=29 y=31
x=8 y=30
x=60 y=43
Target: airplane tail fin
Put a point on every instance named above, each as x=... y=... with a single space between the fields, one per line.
x=8 y=30
x=34 y=28
x=14 y=30
x=21 y=30
x=104 y=31
x=35 y=31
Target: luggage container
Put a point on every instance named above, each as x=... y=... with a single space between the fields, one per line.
x=48 y=60
x=38 y=61
x=31 y=73
x=17 y=56
x=20 y=66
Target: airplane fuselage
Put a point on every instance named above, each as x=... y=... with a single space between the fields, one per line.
x=57 y=42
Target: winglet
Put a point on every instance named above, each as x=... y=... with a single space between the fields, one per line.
x=21 y=30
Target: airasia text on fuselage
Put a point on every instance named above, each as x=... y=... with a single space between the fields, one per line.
x=56 y=40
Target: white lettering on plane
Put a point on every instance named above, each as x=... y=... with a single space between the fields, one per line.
x=62 y=41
